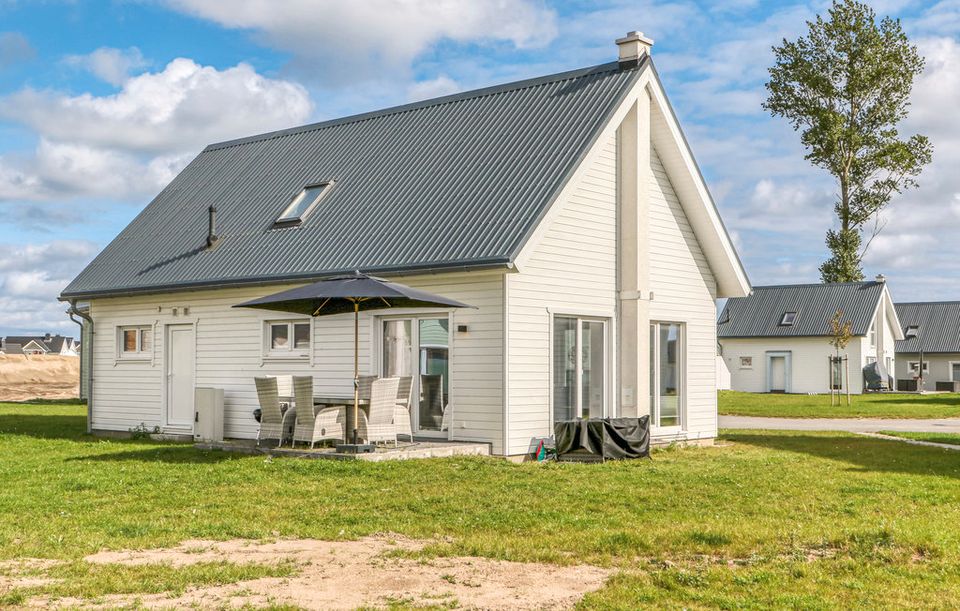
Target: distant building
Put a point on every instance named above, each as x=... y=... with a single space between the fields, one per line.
x=43 y=344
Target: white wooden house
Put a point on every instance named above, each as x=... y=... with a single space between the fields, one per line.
x=568 y=209
x=778 y=338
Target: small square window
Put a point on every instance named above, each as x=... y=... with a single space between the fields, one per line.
x=303 y=204
x=746 y=362
x=135 y=342
x=788 y=319
x=287 y=338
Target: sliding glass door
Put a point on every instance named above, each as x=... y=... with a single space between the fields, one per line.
x=666 y=374
x=420 y=347
x=580 y=372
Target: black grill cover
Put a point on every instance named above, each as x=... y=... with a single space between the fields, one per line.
x=875 y=376
x=603 y=438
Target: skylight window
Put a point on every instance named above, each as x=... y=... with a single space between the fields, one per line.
x=303 y=204
x=788 y=319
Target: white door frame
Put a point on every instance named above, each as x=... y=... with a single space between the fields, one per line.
x=166 y=373
x=655 y=427
x=377 y=361
x=787 y=369
x=608 y=358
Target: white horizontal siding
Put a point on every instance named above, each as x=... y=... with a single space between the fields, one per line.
x=684 y=290
x=229 y=354
x=809 y=356
x=572 y=270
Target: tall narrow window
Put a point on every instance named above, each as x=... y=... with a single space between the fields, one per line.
x=666 y=374
x=580 y=376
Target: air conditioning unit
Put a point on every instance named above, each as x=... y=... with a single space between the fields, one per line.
x=208 y=417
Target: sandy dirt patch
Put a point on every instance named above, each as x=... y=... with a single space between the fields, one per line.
x=351 y=574
x=24 y=377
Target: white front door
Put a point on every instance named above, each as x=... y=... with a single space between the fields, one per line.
x=179 y=369
x=778 y=374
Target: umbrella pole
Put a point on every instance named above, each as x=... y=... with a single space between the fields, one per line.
x=356 y=367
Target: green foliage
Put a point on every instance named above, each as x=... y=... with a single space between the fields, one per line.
x=841 y=332
x=845 y=87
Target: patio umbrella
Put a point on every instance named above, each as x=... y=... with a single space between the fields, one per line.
x=350 y=294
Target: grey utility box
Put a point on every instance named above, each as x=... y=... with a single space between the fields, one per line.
x=208 y=418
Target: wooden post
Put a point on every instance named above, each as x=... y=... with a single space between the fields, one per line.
x=846 y=367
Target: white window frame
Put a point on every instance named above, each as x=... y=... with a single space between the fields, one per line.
x=285 y=220
x=139 y=354
x=913 y=366
x=290 y=352
x=681 y=378
x=746 y=366
x=873 y=334
x=950 y=365
x=607 y=322
x=785 y=323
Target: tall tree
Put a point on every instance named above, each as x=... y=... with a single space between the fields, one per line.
x=845 y=87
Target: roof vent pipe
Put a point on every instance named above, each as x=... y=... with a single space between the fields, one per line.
x=632 y=49
x=212 y=237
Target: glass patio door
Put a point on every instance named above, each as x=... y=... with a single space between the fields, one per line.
x=421 y=345
x=579 y=362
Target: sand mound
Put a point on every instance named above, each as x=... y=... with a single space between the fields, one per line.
x=351 y=574
x=25 y=377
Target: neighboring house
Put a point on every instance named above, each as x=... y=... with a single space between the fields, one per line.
x=45 y=344
x=936 y=332
x=10 y=348
x=568 y=209
x=778 y=338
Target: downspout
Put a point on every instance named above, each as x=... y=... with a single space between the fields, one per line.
x=73 y=311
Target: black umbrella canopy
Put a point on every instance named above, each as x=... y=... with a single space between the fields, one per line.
x=338 y=295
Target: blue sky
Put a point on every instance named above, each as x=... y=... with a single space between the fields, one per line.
x=104 y=101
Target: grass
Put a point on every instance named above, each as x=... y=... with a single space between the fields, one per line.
x=769 y=519
x=948 y=438
x=733 y=403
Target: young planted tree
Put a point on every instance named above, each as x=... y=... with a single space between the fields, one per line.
x=845 y=87
x=841 y=332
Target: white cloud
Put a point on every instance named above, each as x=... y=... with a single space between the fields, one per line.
x=14 y=48
x=31 y=278
x=133 y=142
x=182 y=107
x=351 y=41
x=433 y=88
x=111 y=65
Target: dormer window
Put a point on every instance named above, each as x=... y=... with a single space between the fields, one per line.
x=303 y=204
x=788 y=319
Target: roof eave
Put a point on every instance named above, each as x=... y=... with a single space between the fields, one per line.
x=431 y=268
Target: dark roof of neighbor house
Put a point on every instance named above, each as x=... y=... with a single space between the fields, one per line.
x=938 y=322
x=760 y=314
x=53 y=343
x=454 y=182
x=12 y=348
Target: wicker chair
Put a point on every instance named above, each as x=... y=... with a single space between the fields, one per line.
x=378 y=424
x=271 y=418
x=401 y=413
x=313 y=427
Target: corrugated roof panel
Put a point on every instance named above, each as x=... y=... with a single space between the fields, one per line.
x=759 y=314
x=457 y=181
x=938 y=322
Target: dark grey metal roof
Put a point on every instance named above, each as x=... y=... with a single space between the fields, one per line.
x=759 y=314
x=459 y=181
x=939 y=323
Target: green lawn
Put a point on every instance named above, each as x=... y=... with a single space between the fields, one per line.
x=814 y=520
x=949 y=438
x=733 y=403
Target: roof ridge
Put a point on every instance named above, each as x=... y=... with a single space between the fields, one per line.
x=393 y=110
x=896 y=303
x=805 y=284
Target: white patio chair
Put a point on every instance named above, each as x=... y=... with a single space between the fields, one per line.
x=378 y=425
x=313 y=426
x=271 y=419
x=401 y=413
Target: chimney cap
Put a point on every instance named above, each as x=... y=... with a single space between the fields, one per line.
x=632 y=48
x=881 y=278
